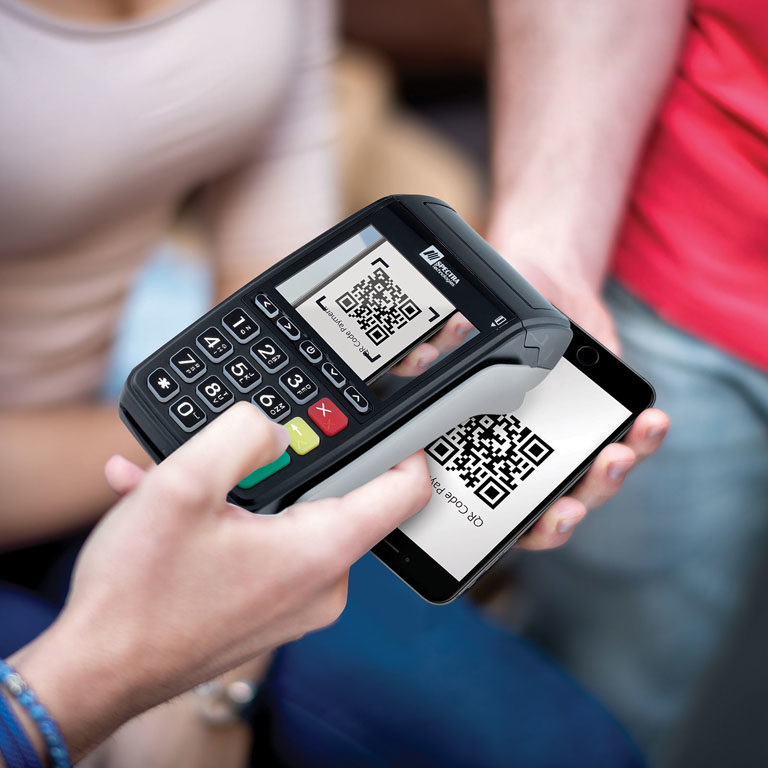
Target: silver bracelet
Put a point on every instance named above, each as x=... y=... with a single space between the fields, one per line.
x=226 y=703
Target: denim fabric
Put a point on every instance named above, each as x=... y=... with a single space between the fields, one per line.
x=23 y=616
x=636 y=605
x=399 y=682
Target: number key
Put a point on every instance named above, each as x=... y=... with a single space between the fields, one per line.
x=188 y=365
x=187 y=414
x=298 y=385
x=269 y=355
x=215 y=394
x=215 y=346
x=241 y=325
x=273 y=404
x=242 y=374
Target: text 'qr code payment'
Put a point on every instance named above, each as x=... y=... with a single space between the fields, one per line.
x=379 y=306
x=491 y=454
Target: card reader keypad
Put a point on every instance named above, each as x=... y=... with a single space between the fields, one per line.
x=267 y=360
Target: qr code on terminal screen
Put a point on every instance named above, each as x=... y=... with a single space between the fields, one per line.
x=379 y=305
x=491 y=454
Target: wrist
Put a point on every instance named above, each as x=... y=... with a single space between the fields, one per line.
x=543 y=240
x=89 y=688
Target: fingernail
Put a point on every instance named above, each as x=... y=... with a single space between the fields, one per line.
x=617 y=469
x=654 y=432
x=423 y=362
x=463 y=330
x=283 y=438
x=567 y=524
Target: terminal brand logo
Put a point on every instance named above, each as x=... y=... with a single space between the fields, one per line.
x=430 y=254
x=435 y=258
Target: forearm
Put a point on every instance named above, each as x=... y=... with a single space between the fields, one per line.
x=52 y=468
x=576 y=84
x=88 y=690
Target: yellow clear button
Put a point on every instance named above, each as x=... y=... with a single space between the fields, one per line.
x=303 y=438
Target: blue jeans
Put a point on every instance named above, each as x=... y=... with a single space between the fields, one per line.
x=638 y=602
x=399 y=682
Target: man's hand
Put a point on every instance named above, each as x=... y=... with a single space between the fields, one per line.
x=175 y=585
x=577 y=296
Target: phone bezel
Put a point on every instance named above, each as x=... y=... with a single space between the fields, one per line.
x=430 y=580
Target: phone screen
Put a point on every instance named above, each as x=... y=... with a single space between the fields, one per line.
x=489 y=473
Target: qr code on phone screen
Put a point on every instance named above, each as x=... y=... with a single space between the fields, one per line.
x=379 y=305
x=492 y=455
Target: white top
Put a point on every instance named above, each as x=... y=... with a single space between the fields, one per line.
x=106 y=128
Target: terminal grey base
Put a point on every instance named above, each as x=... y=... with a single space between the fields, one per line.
x=499 y=388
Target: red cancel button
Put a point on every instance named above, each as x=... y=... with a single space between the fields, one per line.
x=328 y=416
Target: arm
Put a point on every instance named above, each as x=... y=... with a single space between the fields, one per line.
x=145 y=619
x=51 y=463
x=576 y=84
x=288 y=192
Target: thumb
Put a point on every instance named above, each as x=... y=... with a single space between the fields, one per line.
x=122 y=475
x=223 y=453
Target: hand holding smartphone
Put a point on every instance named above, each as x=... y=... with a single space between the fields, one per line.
x=493 y=476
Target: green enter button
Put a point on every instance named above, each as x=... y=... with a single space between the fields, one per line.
x=262 y=473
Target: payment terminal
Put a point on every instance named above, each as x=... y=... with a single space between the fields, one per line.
x=316 y=342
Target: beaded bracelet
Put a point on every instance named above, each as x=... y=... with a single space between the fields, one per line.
x=15 y=747
x=50 y=732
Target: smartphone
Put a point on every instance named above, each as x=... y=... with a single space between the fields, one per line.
x=493 y=476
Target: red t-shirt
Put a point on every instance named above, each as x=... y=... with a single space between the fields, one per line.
x=694 y=244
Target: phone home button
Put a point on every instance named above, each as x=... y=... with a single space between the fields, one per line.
x=587 y=356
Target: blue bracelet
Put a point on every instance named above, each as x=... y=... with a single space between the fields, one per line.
x=14 y=743
x=50 y=732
